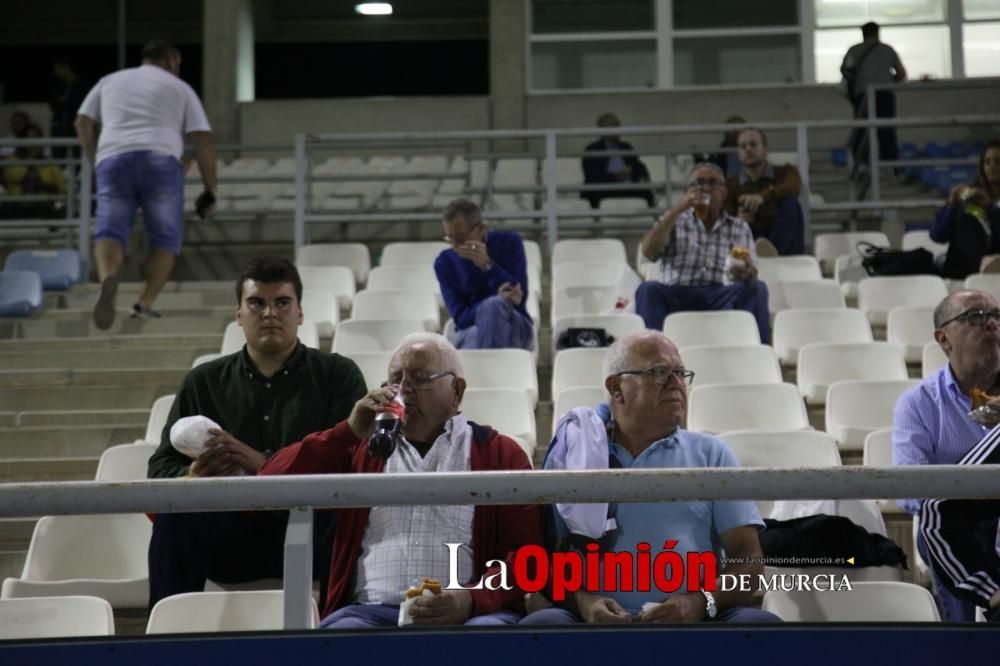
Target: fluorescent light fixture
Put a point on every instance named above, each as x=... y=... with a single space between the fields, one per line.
x=374 y=8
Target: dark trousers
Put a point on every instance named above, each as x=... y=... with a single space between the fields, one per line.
x=787 y=230
x=654 y=301
x=186 y=549
x=888 y=144
x=952 y=528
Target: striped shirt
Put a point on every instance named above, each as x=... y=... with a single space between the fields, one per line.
x=697 y=256
x=405 y=544
x=931 y=426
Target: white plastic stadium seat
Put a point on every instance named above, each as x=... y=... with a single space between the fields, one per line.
x=415 y=278
x=883 y=601
x=830 y=246
x=373 y=335
x=822 y=364
x=158 y=414
x=321 y=307
x=374 y=365
x=856 y=408
x=125 y=462
x=988 y=282
x=378 y=305
x=811 y=294
x=578 y=367
x=604 y=250
x=794 y=268
x=508 y=411
x=338 y=280
x=910 y=328
x=102 y=556
x=878 y=453
x=878 y=295
x=914 y=239
x=421 y=253
x=234 y=338
x=501 y=368
x=794 y=329
x=197 y=612
x=590 y=274
x=204 y=358
x=727 y=327
x=573 y=301
x=353 y=255
x=576 y=396
x=533 y=253
x=55 y=617
x=616 y=325
x=848 y=271
x=732 y=365
x=717 y=408
x=933 y=359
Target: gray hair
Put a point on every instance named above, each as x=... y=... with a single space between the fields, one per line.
x=450 y=360
x=468 y=210
x=707 y=165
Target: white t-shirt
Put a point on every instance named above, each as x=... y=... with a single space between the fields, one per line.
x=143 y=108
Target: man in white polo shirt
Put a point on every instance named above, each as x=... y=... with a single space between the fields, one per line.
x=144 y=113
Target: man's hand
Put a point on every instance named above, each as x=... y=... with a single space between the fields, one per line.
x=601 y=610
x=226 y=456
x=204 y=205
x=751 y=202
x=678 y=608
x=449 y=607
x=363 y=414
x=955 y=196
x=690 y=198
x=215 y=461
x=512 y=292
x=474 y=251
x=624 y=175
x=742 y=273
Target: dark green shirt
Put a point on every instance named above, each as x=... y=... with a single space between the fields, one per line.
x=314 y=391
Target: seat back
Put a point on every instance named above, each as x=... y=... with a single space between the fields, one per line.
x=716 y=408
x=793 y=268
x=914 y=239
x=932 y=359
x=353 y=255
x=878 y=453
x=533 y=254
x=576 y=301
x=578 y=367
x=374 y=365
x=590 y=274
x=421 y=253
x=409 y=278
x=58 y=269
x=373 y=335
x=720 y=328
x=125 y=462
x=988 y=282
x=205 y=358
x=234 y=338
x=508 y=411
x=830 y=246
x=856 y=408
x=732 y=365
x=20 y=293
x=321 y=306
x=616 y=325
x=576 y=396
x=794 y=329
x=810 y=294
x=55 y=617
x=380 y=305
x=339 y=280
x=158 y=418
x=878 y=295
x=883 y=601
x=606 y=250
x=501 y=368
x=104 y=547
x=258 y=610
x=910 y=328
x=822 y=364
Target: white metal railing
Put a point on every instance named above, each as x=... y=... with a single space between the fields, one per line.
x=301 y=493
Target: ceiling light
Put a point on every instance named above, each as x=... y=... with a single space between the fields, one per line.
x=374 y=8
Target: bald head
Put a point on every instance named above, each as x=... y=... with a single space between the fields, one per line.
x=957 y=303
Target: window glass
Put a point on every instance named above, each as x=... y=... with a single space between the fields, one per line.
x=831 y=13
x=924 y=50
x=706 y=14
x=600 y=64
x=735 y=60
x=981 y=9
x=982 y=49
x=562 y=16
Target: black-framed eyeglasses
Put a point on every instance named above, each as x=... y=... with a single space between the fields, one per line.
x=705 y=183
x=417 y=382
x=977 y=317
x=661 y=374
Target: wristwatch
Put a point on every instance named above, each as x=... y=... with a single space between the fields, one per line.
x=711 y=610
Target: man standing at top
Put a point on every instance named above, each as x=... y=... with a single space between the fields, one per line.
x=873 y=63
x=765 y=196
x=484 y=282
x=144 y=113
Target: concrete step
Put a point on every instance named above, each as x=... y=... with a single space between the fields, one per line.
x=126 y=377
x=12 y=563
x=108 y=359
x=78 y=314
x=165 y=302
x=77 y=417
x=170 y=287
x=27 y=470
x=72 y=441
x=15 y=533
x=41 y=328
x=157 y=341
x=82 y=397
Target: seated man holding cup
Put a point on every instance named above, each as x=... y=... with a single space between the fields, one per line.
x=706 y=256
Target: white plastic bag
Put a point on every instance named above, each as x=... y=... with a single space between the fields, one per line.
x=189 y=434
x=628 y=283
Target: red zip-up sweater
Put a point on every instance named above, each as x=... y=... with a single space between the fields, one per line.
x=497 y=531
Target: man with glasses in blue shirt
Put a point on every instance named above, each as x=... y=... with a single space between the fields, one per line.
x=693 y=244
x=647 y=382
x=931 y=423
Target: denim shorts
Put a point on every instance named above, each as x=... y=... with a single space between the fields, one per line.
x=152 y=181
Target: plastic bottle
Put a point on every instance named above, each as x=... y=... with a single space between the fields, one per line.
x=387 y=422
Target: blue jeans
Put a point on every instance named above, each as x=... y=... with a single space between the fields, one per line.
x=499 y=325
x=152 y=181
x=373 y=616
x=736 y=614
x=654 y=301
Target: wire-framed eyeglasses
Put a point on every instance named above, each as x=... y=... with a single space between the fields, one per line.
x=661 y=374
x=417 y=382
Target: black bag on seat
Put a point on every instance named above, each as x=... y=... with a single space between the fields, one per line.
x=882 y=261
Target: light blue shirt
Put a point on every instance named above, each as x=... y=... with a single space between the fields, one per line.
x=695 y=526
x=931 y=426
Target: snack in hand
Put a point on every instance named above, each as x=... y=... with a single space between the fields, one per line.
x=980 y=398
x=741 y=253
x=427 y=587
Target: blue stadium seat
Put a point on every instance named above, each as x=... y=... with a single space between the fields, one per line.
x=20 y=293
x=59 y=269
x=838 y=156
